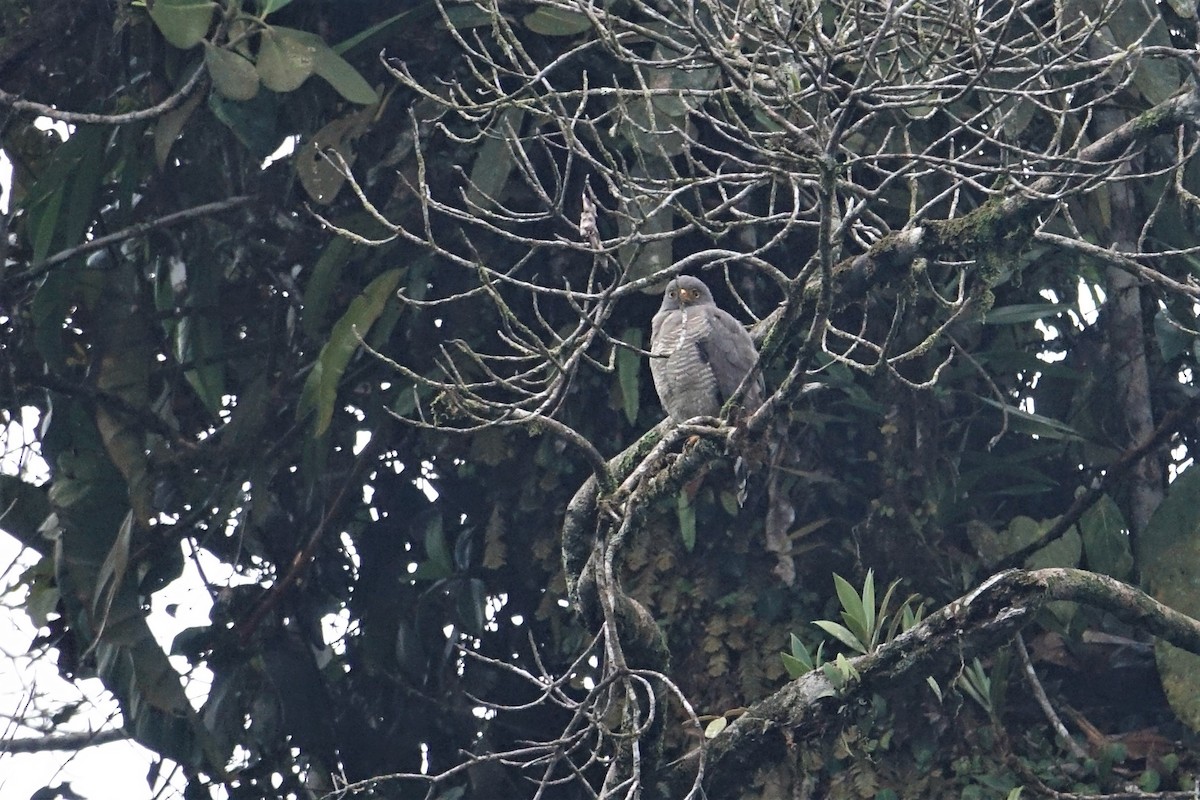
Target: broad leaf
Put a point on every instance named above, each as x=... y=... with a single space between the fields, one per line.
x=325 y=276
x=267 y=7
x=852 y=608
x=170 y=125
x=842 y=634
x=254 y=121
x=232 y=75
x=1169 y=562
x=320 y=389
x=550 y=21
x=494 y=163
x=320 y=175
x=344 y=78
x=285 y=60
x=1106 y=539
x=1036 y=424
x=183 y=23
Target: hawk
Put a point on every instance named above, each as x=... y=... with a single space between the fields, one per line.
x=699 y=354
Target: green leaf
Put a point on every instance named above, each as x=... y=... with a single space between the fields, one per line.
x=1064 y=551
x=1138 y=27
x=868 y=608
x=852 y=609
x=995 y=546
x=1149 y=781
x=651 y=130
x=1168 y=554
x=90 y=501
x=798 y=648
x=285 y=61
x=344 y=78
x=122 y=370
x=1106 y=539
x=799 y=661
x=975 y=683
x=842 y=634
x=254 y=122
x=378 y=32
x=62 y=203
x=550 y=21
x=690 y=83
x=629 y=370
x=184 y=23
x=320 y=389
x=232 y=75
x=467 y=17
x=321 y=178
x=1176 y=520
x=685 y=509
x=319 y=289
x=494 y=161
x=884 y=605
x=435 y=545
x=1173 y=340
x=794 y=666
x=471 y=606
x=1036 y=424
x=170 y=125
x=136 y=670
x=713 y=729
x=112 y=572
x=266 y=7
x=45 y=223
x=197 y=336
x=840 y=671
x=835 y=677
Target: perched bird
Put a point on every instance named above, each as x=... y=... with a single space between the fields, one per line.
x=699 y=354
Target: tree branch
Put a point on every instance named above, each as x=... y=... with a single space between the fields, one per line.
x=62 y=741
x=158 y=109
x=137 y=230
x=979 y=622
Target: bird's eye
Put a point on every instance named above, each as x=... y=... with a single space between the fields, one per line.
x=671 y=293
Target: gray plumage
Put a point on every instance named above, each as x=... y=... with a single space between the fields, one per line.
x=700 y=354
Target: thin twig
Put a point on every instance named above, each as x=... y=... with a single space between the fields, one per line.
x=137 y=229
x=1043 y=701
x=41 y=109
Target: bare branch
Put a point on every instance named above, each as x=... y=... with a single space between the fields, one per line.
x=62 y=741
x=73 y=117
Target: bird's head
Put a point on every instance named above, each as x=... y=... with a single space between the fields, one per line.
x=686 y=291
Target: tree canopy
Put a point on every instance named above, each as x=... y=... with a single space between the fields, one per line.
x=352 y=301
